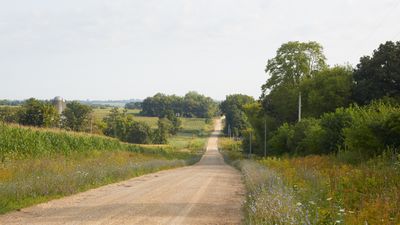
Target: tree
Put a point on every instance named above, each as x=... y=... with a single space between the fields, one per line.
x=293 y=61
x=138 y=132
x=117 y=124
x=77 y=116
x=327 y=90
x=37 y=113
x=133 y=105
x=379 y=75
x=8 y=114
x=192 y=104
x=233 y=109
x=161 y=134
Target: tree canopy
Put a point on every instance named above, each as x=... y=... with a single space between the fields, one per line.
x=192 y=104
x=293 y=61
x=76 y=116
x=38 y=113
x=379 y=75
x=233 y=109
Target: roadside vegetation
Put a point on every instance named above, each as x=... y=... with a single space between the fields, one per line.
x=338 y=161
x=39 y=164
x=317 y=189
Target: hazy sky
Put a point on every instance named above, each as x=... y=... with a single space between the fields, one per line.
x=120 y=49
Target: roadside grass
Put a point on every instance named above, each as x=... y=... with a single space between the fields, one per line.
x=38 y=165
x=319 y=189
x=30 y=181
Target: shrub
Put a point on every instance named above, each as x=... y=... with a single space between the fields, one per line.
x=332 y=125
x=306 y=137
x=9 y=114
x=39 y=114
x=139 y=133
x=279 y=143
x=366 y=135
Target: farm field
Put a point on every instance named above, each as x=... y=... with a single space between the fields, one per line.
x=49 y=163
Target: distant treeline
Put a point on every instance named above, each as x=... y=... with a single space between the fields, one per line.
x=133 y=105
x=192 y=104
x=10 y=102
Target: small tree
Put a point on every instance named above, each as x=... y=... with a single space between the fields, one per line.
x=160 y=135
x=138 y=133
x=117 y=124
x=77 y=116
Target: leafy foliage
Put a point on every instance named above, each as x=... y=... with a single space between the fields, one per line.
x=9 y=114
x=233 y=109
x=293 y=61
x=191 y=105
x=379 y=75
x=76 y=116
x=327 y=90
x=37 y=113
x=133 y=105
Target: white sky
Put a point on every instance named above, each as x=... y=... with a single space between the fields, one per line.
x=121 y=49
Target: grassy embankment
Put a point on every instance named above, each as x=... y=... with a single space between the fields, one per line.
x=318 y=189
x=37 y=165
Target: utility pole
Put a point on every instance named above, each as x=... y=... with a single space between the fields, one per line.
x=265 y=137
x=91 y=123
x=299 y=106
x=250 y=144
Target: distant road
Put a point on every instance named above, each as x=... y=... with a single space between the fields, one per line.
x=209 y=192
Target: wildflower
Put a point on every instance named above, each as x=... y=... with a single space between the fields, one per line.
x=312 y=202
x=337 y=221
x=341 y=210
x=299 y=204
x=329 y=199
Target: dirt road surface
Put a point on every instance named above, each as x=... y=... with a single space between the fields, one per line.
x=209 y=192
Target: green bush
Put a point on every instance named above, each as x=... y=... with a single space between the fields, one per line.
x=139 y=133
x=9 y=114
x=366 y=134
x=360 y=132
x=332 y=125
x=280 y=142
x=308 y=137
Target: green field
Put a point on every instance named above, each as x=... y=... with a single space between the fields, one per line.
x=100 y=113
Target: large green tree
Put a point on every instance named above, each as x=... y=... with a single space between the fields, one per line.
x=379 y=75
x=38 y=113
x=192 y=104
x=77 y=116
x=293 y=62
x=233 y=109
x=327 y=90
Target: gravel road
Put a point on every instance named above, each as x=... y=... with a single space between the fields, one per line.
x=210 y=192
